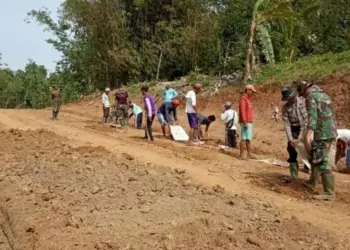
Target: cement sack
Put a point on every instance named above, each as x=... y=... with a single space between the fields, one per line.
x=178 y=133
x=275 y=162
x=304 y=155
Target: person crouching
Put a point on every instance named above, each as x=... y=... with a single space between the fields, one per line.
x=137 y=112
x=167 y=115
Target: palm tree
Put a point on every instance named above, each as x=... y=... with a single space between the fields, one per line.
x=264 y=11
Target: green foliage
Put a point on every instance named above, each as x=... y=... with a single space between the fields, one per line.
x=119 y=42
x=116 y=42
x=264 y=38
x=30 y=88
x=311 y=67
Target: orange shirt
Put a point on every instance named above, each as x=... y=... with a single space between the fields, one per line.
x=245 y=109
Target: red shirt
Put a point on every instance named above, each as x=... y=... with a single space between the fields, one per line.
x=245 y=109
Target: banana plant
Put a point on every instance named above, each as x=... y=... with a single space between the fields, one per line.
x=263 y=12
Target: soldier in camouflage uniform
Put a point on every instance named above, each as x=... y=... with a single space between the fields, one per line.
x=294 y=117
x=320 y=138
x=121 y=98
x=56 y=102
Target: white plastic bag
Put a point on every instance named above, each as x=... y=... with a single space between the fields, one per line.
x=178 y=133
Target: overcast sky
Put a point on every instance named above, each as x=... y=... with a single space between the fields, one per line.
x=20 y=41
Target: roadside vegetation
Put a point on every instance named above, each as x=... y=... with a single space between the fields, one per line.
x=121 y=43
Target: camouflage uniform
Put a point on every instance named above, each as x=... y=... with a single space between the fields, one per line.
x=56 y=102
x=321 y=122
x=121 y=98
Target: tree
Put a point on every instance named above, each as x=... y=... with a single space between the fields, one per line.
x=265 y=11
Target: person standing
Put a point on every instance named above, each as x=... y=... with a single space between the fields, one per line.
x=105 y=104
x=294 y=116
x=169 y=94
x=230 y=118
x=165 y=113
x=151 y=109
x=56 y=96
x=246 y=121
x=192 y=111
x=320 y=137
x=137 y=112
x=121 y=99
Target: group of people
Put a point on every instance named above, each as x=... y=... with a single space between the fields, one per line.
x=167 y=115
x=308 y=116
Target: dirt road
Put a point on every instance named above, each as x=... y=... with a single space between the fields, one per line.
x=94 y=187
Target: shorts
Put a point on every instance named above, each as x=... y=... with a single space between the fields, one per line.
x=192 y=120
x=161 y=119
x=247 y=134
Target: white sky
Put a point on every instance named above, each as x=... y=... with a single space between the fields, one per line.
x=20 y=41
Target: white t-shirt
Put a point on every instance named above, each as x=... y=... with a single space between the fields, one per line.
x=344 y=134
x=228 y=115
x=105 y=100
x=190 y=101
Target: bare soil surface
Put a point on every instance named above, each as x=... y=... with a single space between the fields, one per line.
x=76 y=184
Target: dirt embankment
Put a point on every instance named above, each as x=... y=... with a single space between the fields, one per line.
x=54 y=196
x=269 y=137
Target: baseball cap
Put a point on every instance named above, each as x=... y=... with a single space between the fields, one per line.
x=107 y=89
x=250 y=87
x=198 y=86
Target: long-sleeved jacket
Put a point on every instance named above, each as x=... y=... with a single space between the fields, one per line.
x=150 y=104
x=56 y=95
x=294 y=114
x=245 y=110
x=321 y=118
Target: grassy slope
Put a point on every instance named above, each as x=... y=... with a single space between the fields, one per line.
x=311 y=67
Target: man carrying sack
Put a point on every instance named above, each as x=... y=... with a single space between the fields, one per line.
x=294 y=117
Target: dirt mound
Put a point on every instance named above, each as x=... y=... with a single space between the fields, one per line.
x=54 y=196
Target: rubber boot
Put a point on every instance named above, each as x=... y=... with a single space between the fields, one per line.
x=328 y=188
x=294 y=170
x=313 y=177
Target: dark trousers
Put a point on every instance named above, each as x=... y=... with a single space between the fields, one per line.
x=293 y=155
x=148 y=130
x=230 y=138
x=138 y=121
x=123 y=110
x=105 y=114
